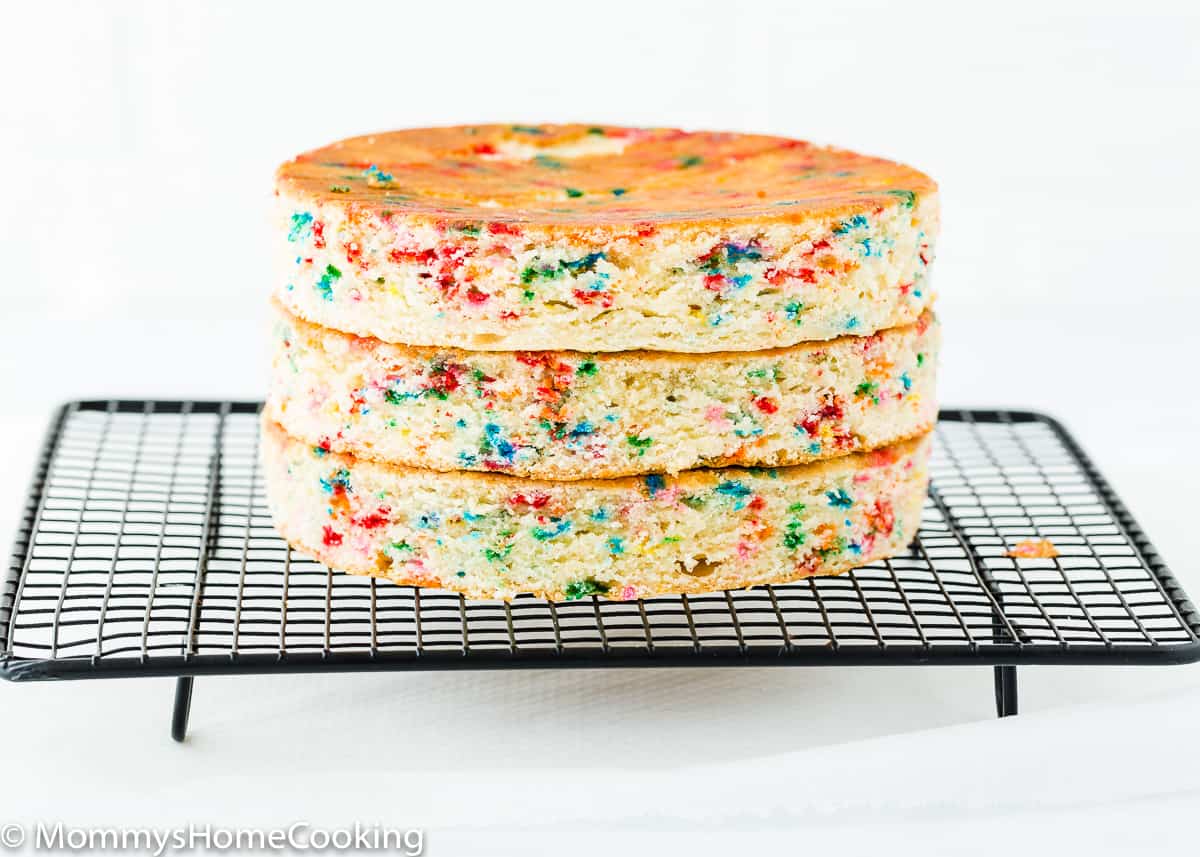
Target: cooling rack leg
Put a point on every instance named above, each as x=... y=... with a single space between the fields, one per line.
x=1006 y=690
x=183 y=707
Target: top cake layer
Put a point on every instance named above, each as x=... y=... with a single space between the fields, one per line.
x=601 y=238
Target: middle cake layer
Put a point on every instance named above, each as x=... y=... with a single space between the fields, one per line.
x=571 y=415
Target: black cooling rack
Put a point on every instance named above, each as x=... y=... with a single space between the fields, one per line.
x=146 y=549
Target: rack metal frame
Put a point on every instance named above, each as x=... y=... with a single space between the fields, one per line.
x=146 y=549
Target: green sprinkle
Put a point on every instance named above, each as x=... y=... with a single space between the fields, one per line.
x=492 y=555
x=597 y=131
x=379 y=281
x=574 y=193
x=866 y=388
x=527 y=294
x=548 y=162
x=527 y=129
x=545 y=272
x=796 y=508
x=339 y=188
x=587 y=367
x=794 y=537
x=920 y=359
x=690 y=161
x=909 y=198
x=400 y=547
x=619 y=191
x=641 y=444
x=577 y=589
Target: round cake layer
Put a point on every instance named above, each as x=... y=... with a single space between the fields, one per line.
x=495 y=536
x=602 y=239
x=571 y=415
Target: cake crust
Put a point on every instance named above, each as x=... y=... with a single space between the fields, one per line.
x=601 y=238
x=574 y=415
x=495 y=536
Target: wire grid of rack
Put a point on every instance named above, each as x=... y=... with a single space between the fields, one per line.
x=147 y=549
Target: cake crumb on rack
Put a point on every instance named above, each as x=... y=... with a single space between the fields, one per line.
x=1033 y=549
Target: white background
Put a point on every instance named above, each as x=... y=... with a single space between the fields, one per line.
x=137 y=144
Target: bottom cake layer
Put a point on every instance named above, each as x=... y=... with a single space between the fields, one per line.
x=493 y=536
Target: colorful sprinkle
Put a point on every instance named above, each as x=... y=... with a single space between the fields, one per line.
x=577 y=589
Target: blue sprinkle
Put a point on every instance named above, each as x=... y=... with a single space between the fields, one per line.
x=471 y=518
x=741 y=280
x=852 y=322
x=733 y=488
x=324 y=285
x=736 y=253
x=430 y=521
x=341 y=479
x=906 y=381
x=544 y=533
x=655 y=483
x=502 y=446
x=839 y=499
x=585 y=264
x=582 y=430
x=814 y=447
x=855 y=548
x=461 y=423
x=376 y=173
x=600 y=514
x=858 y=221
x=616 y=546
x=301 y=226
x=611 y=418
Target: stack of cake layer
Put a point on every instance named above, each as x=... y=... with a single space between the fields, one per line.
x=575 y=360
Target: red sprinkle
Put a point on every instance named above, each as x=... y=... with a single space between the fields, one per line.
x=533 y=501
x=503 y=229
x=883 y=517
x=330 y=538
x=766 y=404
x=587 y=296
x=777 y=277
x=372 y=520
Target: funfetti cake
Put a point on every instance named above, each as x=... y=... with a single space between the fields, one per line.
x=573 y=415
x=495 y=536
x=585 y=361
x=595 y=238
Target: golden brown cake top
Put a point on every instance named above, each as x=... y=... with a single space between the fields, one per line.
x=592 y=175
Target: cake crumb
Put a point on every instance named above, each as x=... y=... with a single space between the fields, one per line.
x=1033 y=549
